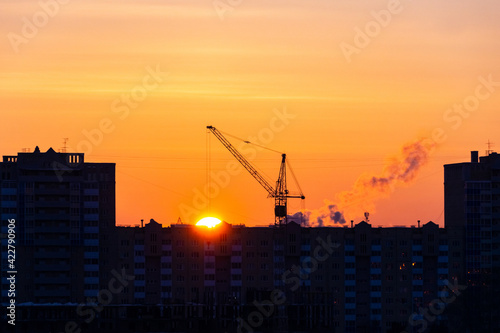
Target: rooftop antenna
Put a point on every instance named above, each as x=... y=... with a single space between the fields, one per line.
x=65 y=145
x=489 y=144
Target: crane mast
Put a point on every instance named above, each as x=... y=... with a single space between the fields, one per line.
x=279 y=192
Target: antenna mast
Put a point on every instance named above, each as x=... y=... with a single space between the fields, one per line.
x=65 y=145
x=489 y=144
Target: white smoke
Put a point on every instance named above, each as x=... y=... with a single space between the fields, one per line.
x=400 y=170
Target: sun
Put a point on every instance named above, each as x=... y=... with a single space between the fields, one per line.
x=209 y=222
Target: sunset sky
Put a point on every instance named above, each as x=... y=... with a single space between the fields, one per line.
x=356 y=81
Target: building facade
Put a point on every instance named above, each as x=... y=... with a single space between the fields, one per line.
x=64 y=211
x=472 y=204
x=359 y=279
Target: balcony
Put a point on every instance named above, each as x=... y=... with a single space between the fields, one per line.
x=52 y=255
x=52 y=217
x=52 y=293
x=52 y=204
x=52 y=280
x=52 y=230
x=52 y=191
x=53 y=268
x=52 y=242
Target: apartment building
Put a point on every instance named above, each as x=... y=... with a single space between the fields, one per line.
x=64 y=210
x=358 y=279
x=472 y=204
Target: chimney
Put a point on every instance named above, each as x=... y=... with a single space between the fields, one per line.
x=418 y=223
x=352 y=223
x=142 y=223
x=474 y=156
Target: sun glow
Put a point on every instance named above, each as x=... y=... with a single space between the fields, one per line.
x=209 y=222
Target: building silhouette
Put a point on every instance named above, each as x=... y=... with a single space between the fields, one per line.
x=64 y=210
x=472 y=204
x=81 y=270
x=359 y=279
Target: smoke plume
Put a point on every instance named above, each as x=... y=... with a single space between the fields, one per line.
x=399 y=170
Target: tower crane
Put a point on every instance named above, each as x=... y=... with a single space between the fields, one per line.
x=279 y=192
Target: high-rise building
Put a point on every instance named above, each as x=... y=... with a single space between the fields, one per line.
x=64 y=212
x=472 y=203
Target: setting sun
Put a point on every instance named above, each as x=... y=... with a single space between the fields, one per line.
x=209 y=222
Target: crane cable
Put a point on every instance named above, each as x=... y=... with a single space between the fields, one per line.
x=209 y=169
x=249 y=142
x=254 y=144
x=302 y=201
x=273 y=150
x=294 y=177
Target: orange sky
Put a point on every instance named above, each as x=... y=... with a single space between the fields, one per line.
x=67 y=68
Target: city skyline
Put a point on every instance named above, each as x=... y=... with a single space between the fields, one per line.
x=137 y=84
x=60 y=213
